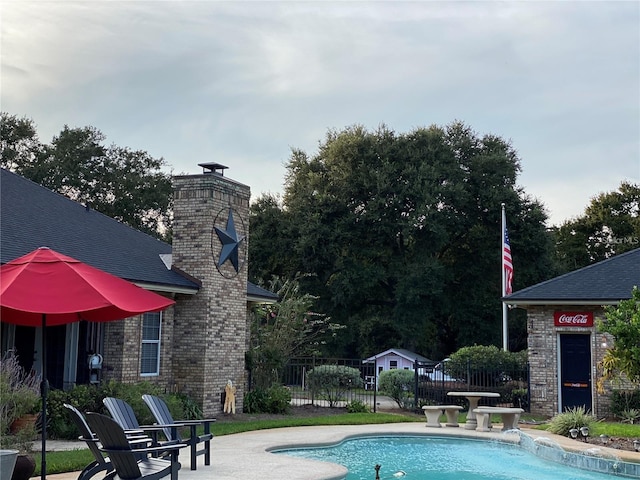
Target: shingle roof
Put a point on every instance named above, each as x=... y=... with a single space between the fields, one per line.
x=605 y=282
x=408 y=354
x=32 y=216
x=258 y=294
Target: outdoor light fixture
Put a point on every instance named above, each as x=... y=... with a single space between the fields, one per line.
x=636 y=445
x=604 y=438
x=584 y=431
x=573 y=433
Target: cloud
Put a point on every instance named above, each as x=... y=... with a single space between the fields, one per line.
x=240 y=83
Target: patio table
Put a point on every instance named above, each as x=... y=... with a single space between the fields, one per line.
x=473 y=398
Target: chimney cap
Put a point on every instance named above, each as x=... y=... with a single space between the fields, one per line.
x=213 y=167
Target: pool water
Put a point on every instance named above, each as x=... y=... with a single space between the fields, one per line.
x=438 y=458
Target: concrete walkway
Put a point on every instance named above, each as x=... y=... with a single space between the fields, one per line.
x=245 y=456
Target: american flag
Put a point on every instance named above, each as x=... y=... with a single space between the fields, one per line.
x=507 y=265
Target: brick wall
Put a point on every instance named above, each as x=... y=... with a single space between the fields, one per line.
x=210 y=327
x=544 y=358
x=122 y=349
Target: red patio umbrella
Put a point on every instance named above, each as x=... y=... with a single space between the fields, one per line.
x=45 y=288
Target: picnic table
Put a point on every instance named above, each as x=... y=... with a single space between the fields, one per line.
x=474 y=399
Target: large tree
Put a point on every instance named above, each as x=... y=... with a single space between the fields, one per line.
x=402 y=234
x=19 y=143
x=271 y=240
x=609 y=225
x=125 y=184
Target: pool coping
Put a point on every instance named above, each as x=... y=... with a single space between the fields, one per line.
x=247 y=456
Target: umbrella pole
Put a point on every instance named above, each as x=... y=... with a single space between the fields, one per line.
x=44 y=387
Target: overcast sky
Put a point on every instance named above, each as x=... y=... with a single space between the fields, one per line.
x=241 y=83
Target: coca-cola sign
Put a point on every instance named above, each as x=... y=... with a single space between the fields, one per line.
x=573 y=319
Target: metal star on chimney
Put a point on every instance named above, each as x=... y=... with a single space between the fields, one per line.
x=231 y=242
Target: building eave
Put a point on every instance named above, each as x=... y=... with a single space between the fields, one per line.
x=257 y=299
x=525 y=303
x=167 y=288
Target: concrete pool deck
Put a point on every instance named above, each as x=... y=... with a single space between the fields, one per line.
x=246 y=456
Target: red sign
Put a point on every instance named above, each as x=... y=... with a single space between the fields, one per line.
x=573 y=319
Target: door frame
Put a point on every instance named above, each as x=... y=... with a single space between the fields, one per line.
x=559 y=367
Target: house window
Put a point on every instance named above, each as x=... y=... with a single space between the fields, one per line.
x=393 y=364
x=150 y=355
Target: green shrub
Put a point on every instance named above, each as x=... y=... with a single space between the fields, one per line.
x=255 y=401
x=623 y=400
x=275 y=399
x=88 y=398
x=520 y=398
x=630 y=415
x=333 y=381
x=191 y=410
x=488 y=361
x=573 y=418
x=356 y=406
x=278 y=399
x=398 y=385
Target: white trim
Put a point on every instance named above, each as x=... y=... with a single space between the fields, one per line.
x=258 y=299
x=395 y=352
x=152 y=342
x=559 y=370
x=167 y=259
x=167 y=288
x=526 y=303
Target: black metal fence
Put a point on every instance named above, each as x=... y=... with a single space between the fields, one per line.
x=431 y=385
x=296 y=374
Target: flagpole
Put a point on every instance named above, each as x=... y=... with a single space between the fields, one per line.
x=505 y=330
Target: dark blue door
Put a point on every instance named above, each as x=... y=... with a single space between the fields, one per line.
x=575 y=371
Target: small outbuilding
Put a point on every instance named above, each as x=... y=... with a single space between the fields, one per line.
x=564 y=345
x=395 y=358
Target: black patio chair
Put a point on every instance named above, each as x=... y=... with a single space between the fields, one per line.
x=162 y=415
x=100 y=463
x=124 y=458
x=124 y=415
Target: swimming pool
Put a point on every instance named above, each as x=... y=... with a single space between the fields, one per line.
x=440 y=458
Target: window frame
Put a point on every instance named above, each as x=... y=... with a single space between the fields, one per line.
x=145 y=341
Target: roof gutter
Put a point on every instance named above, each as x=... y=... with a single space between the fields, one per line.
x=167 y=288
x=524 y=303
x=258 y=299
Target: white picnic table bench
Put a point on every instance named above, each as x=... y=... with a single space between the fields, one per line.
x=434 y=412
x=510 y=417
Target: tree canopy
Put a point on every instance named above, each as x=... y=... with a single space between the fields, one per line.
x=128 y=185
x=402 y=234
x=609 y=225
